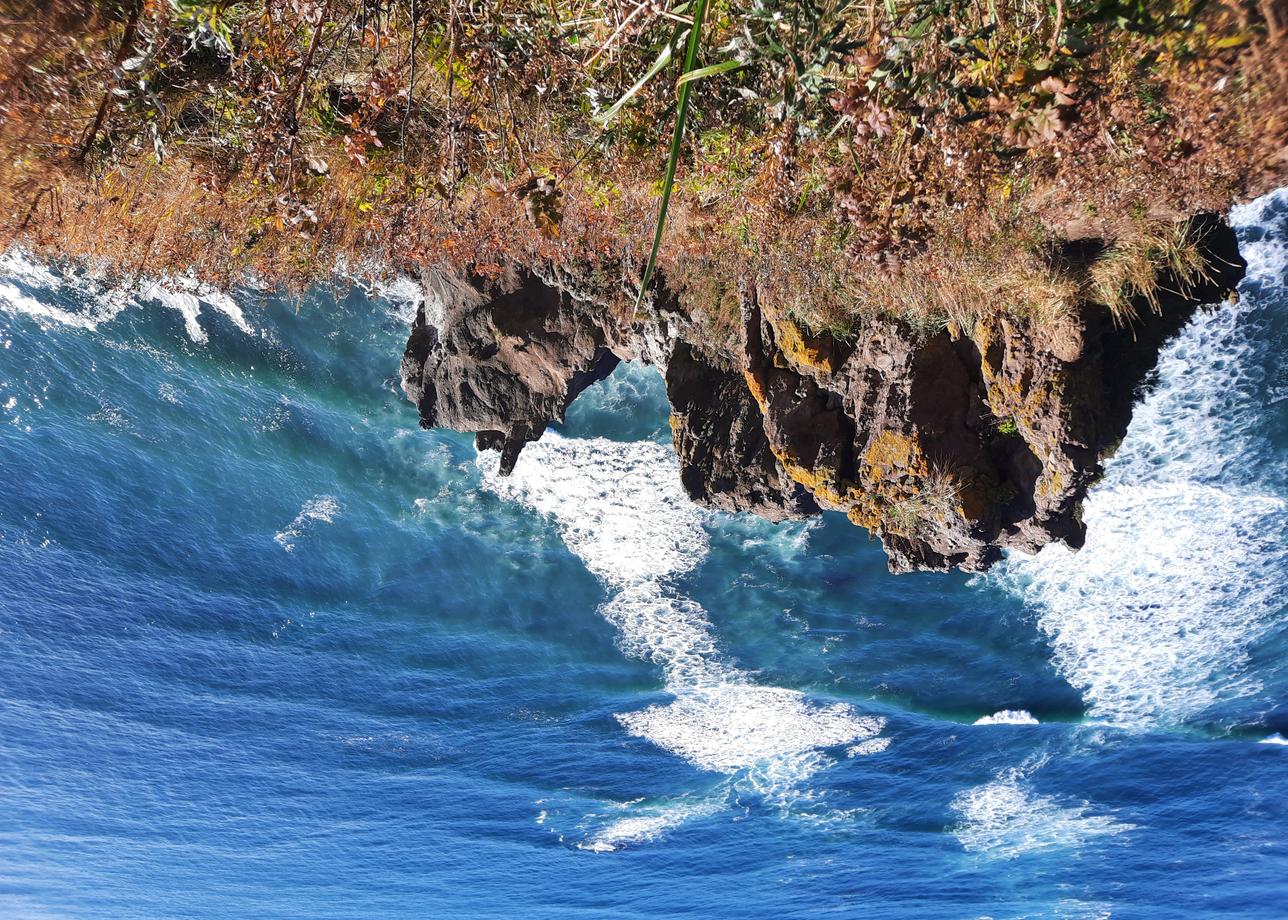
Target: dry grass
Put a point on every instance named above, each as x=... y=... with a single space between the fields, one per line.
x=1011 y=271
x=934 y=505
x=953 y=283
x=1136 y=267
x=438 y=163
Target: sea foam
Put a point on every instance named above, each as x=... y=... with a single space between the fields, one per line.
x=1008 y=717
x=320 y=508
x=187 y=295
x=1006 y=818
x=635 y=823
x=82 y=298
x=621 y=509
x=30 y=288
x=1187 y=536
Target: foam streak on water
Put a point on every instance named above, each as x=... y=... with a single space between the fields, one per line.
x=1187 y=536
x=621 y=509
x=320 y=508
x=633 y=823
x=1008 y=717
x=1006 y=818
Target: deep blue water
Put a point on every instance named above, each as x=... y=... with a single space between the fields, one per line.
x=269 y=650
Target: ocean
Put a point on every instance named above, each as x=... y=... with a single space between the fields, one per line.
x=269 y=650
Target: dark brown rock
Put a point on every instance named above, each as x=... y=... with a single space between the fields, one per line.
x=719 y=436
x=504 y=359
x=949 y=447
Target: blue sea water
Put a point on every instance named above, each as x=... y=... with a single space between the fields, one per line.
x=269 y=650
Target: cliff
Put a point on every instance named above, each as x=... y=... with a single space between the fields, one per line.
x=947 y=444
x=913 y=261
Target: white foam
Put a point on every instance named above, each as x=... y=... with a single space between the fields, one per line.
x=187 y=295
x=1008 y=717
x=647 y=823
x=189 y=307
x=670 y=630
x=736 y=727
x=621 y=509
x=1006 y=818
x=1276 y=738
x=620 y=506
x=1153 y=619
x=13 y=300
x=1187 y=538
x=225 y=304
x=18 y=264
x=31 y=289
x=404 y=295
x=83 y=299
x=869 y=747
x=319 y=508
x=1267 y=256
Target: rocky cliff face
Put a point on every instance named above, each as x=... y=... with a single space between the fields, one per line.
x=947 y=446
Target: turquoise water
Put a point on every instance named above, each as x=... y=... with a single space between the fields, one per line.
x=269 y=650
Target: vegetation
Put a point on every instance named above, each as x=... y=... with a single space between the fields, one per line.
x=926 y=512
x=920 y=158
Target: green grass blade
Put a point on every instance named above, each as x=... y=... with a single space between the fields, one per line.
x=677 y=142
x=663 y=58
x=710 y=71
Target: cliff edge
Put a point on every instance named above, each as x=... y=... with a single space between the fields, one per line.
x=947 y=444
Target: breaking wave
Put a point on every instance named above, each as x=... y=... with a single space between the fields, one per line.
x=1187 y=536
x=84 y=299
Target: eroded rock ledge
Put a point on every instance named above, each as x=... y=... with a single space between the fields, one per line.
x=947 y=446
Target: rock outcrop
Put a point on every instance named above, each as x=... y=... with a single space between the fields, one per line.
x=947 y=446
x=504 y=359
x=720 y=437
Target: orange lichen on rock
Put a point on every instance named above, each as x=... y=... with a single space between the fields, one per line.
x=756 y=388
x=807 y=352
x=892 y=454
